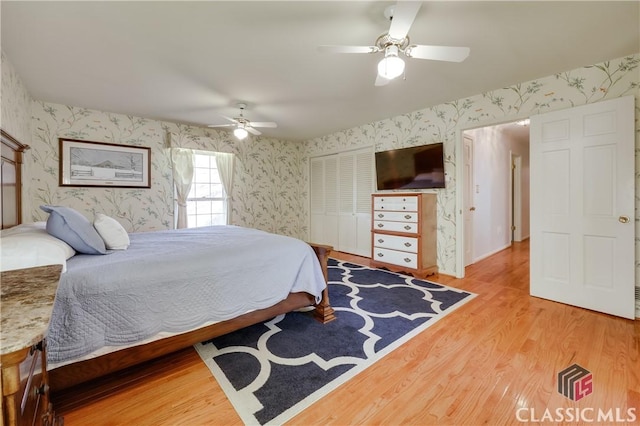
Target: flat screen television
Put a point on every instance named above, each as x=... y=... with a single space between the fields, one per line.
x=417 y=167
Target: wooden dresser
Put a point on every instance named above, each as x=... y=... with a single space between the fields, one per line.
x=403 y=232
x=27 y=301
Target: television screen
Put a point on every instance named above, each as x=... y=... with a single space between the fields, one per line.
x=416 y=167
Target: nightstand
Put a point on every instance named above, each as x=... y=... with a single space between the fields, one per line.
x=27 y=302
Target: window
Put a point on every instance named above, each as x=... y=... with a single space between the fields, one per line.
x=206 y=203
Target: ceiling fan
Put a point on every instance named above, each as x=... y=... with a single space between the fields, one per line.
x=396 y=41
x=243 y=126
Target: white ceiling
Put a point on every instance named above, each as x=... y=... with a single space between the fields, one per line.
x=190 y=62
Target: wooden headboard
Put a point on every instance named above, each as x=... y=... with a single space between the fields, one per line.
x=11 y=181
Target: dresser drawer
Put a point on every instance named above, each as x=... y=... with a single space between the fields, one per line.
x=408 y=203
x=395 y=242
x=396 y=216
x=406 y=227
x=407 y=260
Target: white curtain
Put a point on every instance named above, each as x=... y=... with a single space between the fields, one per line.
x=225 y=169
x=182 y=161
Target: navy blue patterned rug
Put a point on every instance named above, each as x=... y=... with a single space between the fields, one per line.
x=272 y=371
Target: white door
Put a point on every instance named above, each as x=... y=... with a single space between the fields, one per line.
x=364 y=186
x=582 y=206
x=346 y=216
x=516 y=197
x=356 y=185
x=324 y=200
x=340 y=200
x=468 y=205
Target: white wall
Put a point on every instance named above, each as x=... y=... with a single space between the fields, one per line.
x=493 y=146
x=491 y=161
x=518 y=139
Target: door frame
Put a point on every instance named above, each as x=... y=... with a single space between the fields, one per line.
x=468 y=195
x=459 y=151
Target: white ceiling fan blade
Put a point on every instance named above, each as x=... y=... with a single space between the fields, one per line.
x=404 y=14
x=262 y=124
x=221 y=125
x=348 y=49
x=438 y=53
x=253 y=131
x=229 y=118
x=381 y=81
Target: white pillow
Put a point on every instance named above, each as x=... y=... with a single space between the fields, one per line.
x=25 y=248
x=114 y=235
x=25 y=227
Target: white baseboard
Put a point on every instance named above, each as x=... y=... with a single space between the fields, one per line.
x=484 y=256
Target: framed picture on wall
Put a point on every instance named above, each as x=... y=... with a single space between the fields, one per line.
x=86 y=163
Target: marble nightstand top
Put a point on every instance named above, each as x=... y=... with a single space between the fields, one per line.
x=26 y=305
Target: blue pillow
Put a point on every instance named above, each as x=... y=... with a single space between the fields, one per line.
x=74 y=229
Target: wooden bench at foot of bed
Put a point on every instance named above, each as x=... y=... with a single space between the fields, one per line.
x=83 y=371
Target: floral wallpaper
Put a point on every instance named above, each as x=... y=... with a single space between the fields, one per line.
x=16 y=103
x=266 y=192
x=441 y=123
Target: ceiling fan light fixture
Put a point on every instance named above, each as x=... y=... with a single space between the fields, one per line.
x=391 y=66
x=240 y=133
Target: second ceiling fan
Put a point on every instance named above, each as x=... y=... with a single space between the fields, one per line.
x=396 y=41
x=243 y=126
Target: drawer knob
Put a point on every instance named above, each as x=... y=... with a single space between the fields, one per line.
x=406 y=259
x=407 y=216
x=407 y=244
x=407 y=227
x=380 y=255
x=381 y=225
x=380 y=240
x=380 y=215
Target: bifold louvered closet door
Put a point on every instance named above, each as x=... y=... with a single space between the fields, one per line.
x=340 y=194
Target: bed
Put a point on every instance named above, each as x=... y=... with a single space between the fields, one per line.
x=258 y=275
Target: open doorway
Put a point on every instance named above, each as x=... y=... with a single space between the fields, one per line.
x=495 y=188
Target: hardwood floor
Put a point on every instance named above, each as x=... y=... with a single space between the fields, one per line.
x=493 y=361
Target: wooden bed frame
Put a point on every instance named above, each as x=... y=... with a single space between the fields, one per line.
x=83 y=371
x=76 y=373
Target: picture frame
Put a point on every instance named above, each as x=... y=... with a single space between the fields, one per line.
x=100 y=164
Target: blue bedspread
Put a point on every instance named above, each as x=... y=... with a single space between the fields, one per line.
x=173 y=281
